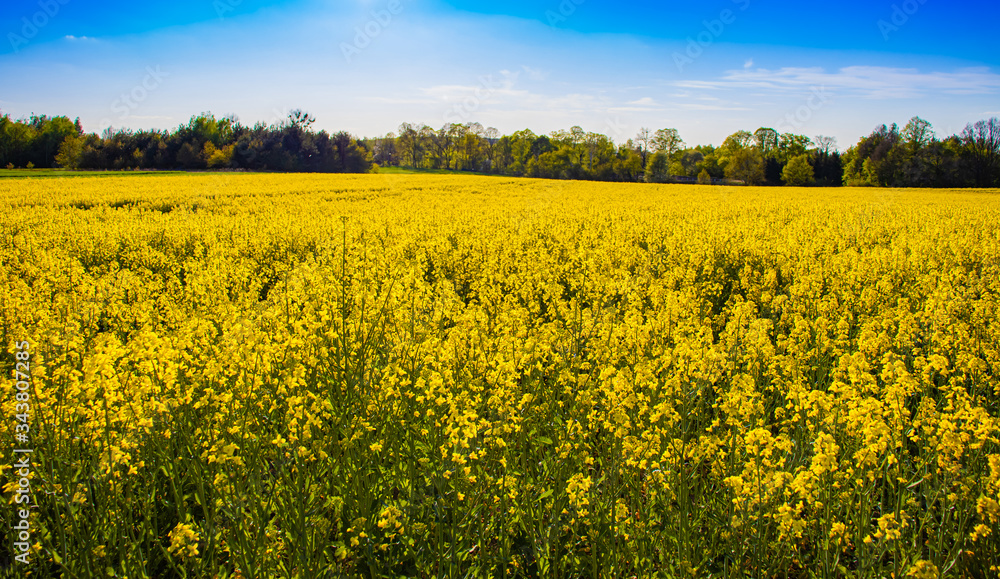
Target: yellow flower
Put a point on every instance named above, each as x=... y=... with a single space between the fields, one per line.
x=923 y=570
x=980 y=531
x=577 y=488
x=184 y=541
x=988 y=509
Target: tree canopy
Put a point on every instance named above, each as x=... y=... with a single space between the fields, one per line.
x=913 y=156
x=204 y=142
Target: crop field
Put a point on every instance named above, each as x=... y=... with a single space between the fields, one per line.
x=462 y=376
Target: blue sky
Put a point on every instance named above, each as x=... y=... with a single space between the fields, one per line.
x=705 y=68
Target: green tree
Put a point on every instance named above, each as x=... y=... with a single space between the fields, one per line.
x=791 y=145
x=704 y=178
x=349 y=156
x=189 y=157
x=299 y=118
x=70 y=152
x=16 y=138
x=736 y=141
x=657 y=168
x=643 y=141
x=747 y=165
x=687 y=163
x=409 y=144
x=49 y=136
x=766 y=139
x=798 y=172
x=667 y=141
x=918 y=133
x=982 y=146
x=522 y=147
x=627 y=164
x=218 y=158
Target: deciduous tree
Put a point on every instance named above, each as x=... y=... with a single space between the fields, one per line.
x=798 y=172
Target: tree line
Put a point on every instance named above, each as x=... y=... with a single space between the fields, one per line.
x=889 y=157
x=913 y=156
x=656 y=157
x=203 y=143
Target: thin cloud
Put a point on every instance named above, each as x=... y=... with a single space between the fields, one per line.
x=535 y=73
x=642 y=105
x=151 y=117
x=397 y=101
x=867 y=81
x=702 y=107
x=500 y=92
x=489 y=86
x=456 y=92
x=576 y=102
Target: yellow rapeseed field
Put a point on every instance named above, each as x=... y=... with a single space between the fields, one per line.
x=458 y=376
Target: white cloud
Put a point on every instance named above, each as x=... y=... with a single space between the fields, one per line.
x=643 y=105
x=702 y=107
x=489 y=86
x=151 y=117
x=397 y=101
x=867 y=81
x=535 y=73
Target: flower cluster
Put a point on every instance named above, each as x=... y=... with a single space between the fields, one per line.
x=418 y=375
